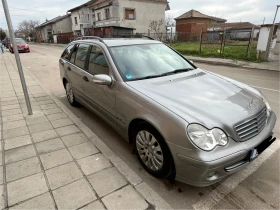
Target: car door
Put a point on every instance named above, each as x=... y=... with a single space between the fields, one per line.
x=75 y=69
x=100 y=97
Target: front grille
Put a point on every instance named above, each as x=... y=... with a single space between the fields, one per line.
x=251 y=127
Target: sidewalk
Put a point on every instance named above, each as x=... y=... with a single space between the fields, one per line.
x=51 y=160
x=273 y=66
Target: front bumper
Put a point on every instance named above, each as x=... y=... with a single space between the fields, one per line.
x=207 y=171
x=21 y=49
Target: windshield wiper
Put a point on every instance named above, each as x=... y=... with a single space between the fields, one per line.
x=164 y=74
x=177 y=71
x=147 y=77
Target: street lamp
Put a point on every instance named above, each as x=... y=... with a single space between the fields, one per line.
x=15 y=49
x=271 y=33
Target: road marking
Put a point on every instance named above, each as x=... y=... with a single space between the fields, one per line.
x=266 y=88
x=214 y=197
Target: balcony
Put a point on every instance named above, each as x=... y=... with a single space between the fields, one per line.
x=113 y=21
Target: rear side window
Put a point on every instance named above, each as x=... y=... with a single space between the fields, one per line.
x=97 y=62
x=81 y=55
x=67 y=52
x=73 y=55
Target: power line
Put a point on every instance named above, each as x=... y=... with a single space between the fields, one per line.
x=12 y=15
x=53 y=4
x=28 y=10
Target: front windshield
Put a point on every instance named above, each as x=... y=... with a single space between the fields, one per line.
x=20 y=41
x=141 y=61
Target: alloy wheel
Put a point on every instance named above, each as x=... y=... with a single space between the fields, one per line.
x=69 y=93
x=149 y=150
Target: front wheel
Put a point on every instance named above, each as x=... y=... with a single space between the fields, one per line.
x=70 y=94
x=152 y=151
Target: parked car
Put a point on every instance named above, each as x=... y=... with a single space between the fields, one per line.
x=185 y=122
x=21 y=45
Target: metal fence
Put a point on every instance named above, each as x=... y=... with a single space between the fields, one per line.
x=219 y=40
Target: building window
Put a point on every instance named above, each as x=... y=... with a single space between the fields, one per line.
x=76 y=21
x=130 y=14
x=88 y=17
x=99 y=16
x=107 y=13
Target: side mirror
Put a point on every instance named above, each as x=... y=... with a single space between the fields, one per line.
x=102 y=79
x=191 y=61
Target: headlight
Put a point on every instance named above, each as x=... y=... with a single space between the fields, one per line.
x=268 y=108
x=206 y=139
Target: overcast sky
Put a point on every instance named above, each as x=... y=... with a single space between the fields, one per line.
x=253 y=11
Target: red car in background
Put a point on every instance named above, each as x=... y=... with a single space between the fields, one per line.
x=21 y=45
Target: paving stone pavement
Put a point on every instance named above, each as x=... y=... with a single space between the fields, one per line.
x=51 y=160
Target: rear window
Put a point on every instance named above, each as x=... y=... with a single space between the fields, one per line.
x=20 y=41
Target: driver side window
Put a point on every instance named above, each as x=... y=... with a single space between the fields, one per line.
x=97 y=62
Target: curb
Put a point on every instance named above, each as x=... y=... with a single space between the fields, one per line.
x=151 y=196
x=218 y=63
x=48 y=44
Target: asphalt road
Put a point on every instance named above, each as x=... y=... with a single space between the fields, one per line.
x=256 y=187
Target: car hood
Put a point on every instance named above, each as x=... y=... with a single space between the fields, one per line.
x=19 y=45
x=200 y=97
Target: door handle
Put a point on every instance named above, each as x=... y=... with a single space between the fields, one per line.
x=69 y=69
x=85 y=78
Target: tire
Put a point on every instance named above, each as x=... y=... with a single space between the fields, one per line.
x=155 y=157
x=70 y=95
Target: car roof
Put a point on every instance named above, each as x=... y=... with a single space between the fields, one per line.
x=114 y=42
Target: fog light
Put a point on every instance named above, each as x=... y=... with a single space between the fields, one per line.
x=212 y=176
x=212 y=173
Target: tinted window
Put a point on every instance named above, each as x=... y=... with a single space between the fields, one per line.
x=81 y=55
x=67 y=52
x=20 y=41
x=73 y=55
x=97 y=62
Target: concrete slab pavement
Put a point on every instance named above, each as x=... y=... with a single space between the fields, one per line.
x=51 y=160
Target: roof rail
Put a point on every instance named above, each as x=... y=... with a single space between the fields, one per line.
x=88 y=37
x=148 y=37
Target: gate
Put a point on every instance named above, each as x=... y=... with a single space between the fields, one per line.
x=239 y=40
x=212 y=41
x=227 y=42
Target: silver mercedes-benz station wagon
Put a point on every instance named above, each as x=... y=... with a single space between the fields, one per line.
x=185 y=122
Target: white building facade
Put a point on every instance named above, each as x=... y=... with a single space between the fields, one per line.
x=81 y=20
x=126 y=15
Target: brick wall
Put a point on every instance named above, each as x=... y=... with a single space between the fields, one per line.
x=192 y=25
x=190 y=29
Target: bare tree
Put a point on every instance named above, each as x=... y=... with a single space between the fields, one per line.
x=27 y=27
x=155 y=26
x=169 y=21
x=2 y=34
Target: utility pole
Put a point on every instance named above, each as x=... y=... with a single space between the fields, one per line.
x=271 y=32
x=13 y=41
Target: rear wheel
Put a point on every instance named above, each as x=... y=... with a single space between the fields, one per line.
x=70 y=94
x=152 y=151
